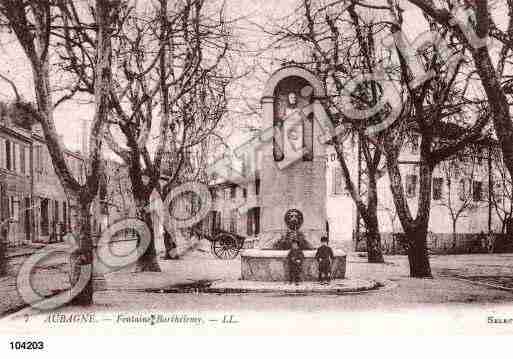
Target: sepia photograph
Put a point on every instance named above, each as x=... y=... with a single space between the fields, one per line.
x=255 y=167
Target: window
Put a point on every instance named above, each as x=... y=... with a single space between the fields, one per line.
x=3 y=202
x=14 y=153
x=477 y=191
x=233 y=220
x=27 y=160
x=37 y=158
x=256 y=211
x=22 y=159
x=337 y=181
x=253 y=221
x=8 y=207
x=56 y=212
x=216 y=221
x=245 y=192
x=227 y=193
x=415 y=144
x=2 y=153
x=411 y=185
x=233 y=192
x=257 y=186
x=437 y=188
x=15 y=208
x=8 y=156
x=65 y=216
x=249 y=223
x=44 y=216
x=213 y=193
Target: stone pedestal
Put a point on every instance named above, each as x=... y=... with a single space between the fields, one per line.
x=301 y=186
x=292 y=176
x=271 y=266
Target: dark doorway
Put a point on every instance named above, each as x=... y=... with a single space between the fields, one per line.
x=28 y=212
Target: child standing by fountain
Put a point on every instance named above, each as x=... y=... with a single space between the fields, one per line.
x=324 y=257
x=295 y=259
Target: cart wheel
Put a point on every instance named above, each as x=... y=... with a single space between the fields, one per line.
x=225 y=246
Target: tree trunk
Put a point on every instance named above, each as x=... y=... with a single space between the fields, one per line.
x=453 y=234
x=147 y=261
x=169 y=245
x=415 y=229
x=83 y=255
x=418 y=253
x=373 y=239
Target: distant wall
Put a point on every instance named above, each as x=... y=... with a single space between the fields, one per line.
x=444 y=243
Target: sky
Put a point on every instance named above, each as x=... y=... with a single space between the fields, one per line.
x=68 y=117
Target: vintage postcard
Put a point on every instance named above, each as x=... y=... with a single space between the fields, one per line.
x=253 y=167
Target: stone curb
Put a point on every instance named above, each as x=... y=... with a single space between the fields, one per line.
x=477 y=282
x=232 y=288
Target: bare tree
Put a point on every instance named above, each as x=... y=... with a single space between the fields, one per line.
x=34 y=23
x=446 y=115
x=196 y=120
x=447 y=121
x=478 y=25
x=179 y=74
x=339 y=43
x=118 y=188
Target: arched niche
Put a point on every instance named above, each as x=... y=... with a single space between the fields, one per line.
x=293 y=71
x=287 y=92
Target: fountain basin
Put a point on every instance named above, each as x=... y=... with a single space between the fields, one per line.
x=271 y=265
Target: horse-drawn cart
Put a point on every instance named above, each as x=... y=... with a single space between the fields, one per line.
x=223 y=244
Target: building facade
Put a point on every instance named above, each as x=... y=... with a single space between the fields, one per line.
x=467 y=191
x=53 y=213
x=236 y=208
x=16 y=183
x=33 y=205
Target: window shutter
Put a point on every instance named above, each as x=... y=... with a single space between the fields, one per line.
x=249 y=220
x=2 y=153
x=22 y=158
x=14 y=154
x=219 y=220
x=8 y=156
x=257 y=221
x=4 y=205
x=27 y=160
x=35 y=155
x=8 y=206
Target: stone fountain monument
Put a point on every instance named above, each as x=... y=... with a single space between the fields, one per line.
x=293 y=179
